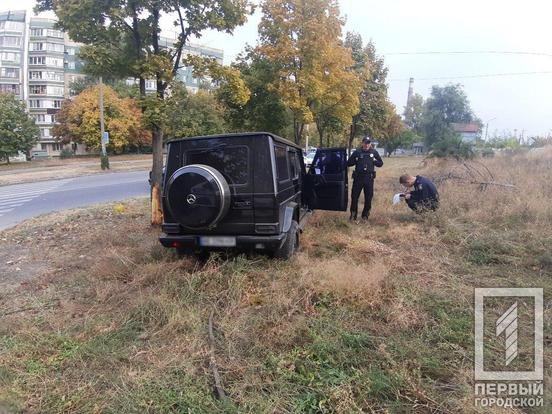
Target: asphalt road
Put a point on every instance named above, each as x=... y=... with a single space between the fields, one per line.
x=22 y=201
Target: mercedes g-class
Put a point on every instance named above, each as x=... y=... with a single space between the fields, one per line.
x=247 y=191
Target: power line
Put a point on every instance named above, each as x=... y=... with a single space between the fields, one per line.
x=487 y=75
x=474 y=52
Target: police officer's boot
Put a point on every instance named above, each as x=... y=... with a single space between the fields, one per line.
x=365 y=215
x=353 y=216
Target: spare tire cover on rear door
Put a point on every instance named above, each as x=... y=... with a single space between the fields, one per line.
x=198 y=196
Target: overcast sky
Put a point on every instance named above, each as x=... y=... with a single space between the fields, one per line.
x=521 y=102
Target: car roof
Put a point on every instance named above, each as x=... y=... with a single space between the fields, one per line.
x=238 y=135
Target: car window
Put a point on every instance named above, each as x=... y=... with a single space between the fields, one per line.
x=328 y=162
x=231 y=162
x=292 y=158
x=281 y=163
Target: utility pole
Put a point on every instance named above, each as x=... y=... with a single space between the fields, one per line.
x=103 y=140
x=487 y=127
x=408 y=99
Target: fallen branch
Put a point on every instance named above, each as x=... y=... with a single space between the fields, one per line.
x=484 y=184
x=212 y=361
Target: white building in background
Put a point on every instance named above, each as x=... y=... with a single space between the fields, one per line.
x=468 y=132
x=38 y=63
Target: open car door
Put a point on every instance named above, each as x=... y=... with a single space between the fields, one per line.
x=326 y=181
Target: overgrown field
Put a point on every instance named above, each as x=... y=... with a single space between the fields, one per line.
x=373 y=317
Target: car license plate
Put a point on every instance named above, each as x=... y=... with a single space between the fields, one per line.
x=217 y=241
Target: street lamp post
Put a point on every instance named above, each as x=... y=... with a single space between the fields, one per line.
x=104 y=160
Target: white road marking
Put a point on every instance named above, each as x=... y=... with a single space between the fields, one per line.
x=15 y=196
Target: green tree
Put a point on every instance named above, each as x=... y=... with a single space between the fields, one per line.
x=18 y=132
x=452 y=146
x=79 y=120
x=302 y=38
x=446 y=105
x=123 y=38
x=414 y=114
x=372 y=116
x=193 y=114
x=390 y=137
x=265 y=111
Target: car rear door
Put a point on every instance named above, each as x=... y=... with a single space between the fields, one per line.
x=326 y=183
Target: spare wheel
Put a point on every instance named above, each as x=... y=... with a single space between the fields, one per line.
x=198 y=196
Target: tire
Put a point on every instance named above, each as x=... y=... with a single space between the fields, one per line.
x=198 y=196
x=291 y=244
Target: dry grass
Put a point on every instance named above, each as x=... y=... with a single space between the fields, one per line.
x=367 y=318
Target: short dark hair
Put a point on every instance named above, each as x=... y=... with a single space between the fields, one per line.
x=404 y=178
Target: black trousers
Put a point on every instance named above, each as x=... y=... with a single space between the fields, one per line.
x=429 y=204
x=362 y=182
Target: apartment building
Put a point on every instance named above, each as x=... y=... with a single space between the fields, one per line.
x=13 y=32
x=38 y=63
x=185 y=74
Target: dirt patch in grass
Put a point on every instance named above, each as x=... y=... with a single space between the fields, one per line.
x=374 y=317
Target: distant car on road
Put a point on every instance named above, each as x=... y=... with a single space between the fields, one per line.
x=309 y=156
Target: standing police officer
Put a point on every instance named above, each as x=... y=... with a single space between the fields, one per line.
x=365 y=160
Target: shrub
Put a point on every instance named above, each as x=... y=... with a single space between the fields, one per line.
x=66 y=153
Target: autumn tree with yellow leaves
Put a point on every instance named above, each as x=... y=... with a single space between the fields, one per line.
x=315 y=76
x=79 y=120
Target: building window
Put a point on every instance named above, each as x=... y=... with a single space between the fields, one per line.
x=45 y=132
x=37 y=46
x=57 y=103
x=55 y=91
x=57 y=147
x=9 y=73
x=37 y=32
x=52 y=61
x=71 y=65
x=37 y=60
x=10 y=41
x=12 y=26
x=34 y=103
x=44 y=147
x=37 y=89
x=54 y=33
x=10 y=57
x=40 y=118
x=71 y=51
x=10 y=88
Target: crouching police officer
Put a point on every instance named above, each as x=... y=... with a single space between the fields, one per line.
x=365 y=160
x=421 y=194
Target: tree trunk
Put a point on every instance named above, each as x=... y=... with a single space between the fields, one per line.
x=156 y=177
x=298 y=131
x=157 y=138
x=351 y=136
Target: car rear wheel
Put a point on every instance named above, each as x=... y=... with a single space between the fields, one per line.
x=290 y=245
x=198 y=196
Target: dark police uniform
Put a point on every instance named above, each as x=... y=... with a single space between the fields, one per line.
x=425 y=195
x=365 y=162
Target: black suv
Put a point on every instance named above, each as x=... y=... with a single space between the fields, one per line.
x=248 y=191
